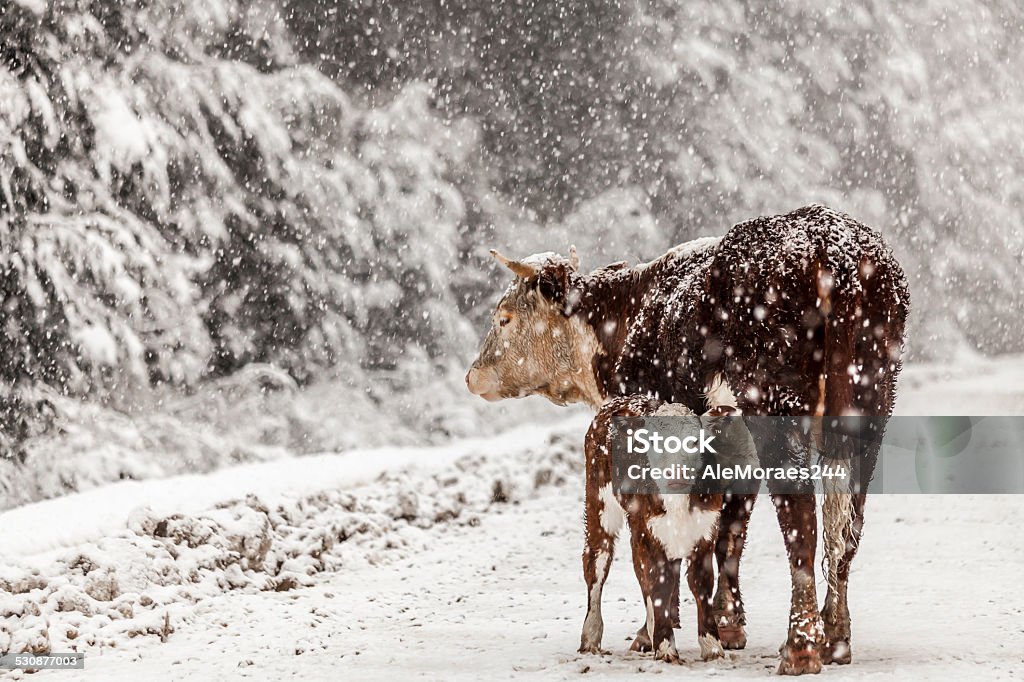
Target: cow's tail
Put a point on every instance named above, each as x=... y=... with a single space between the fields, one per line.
x=853 y=310
x=835 y=398
x=837 y=521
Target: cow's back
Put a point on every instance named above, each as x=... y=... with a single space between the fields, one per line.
x=752 y=306
x=782 y=289
x=785 y=252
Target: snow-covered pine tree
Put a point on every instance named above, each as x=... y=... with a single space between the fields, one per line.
x=181 y=195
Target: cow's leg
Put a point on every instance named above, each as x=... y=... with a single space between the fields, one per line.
x=602 y=528
x=700 y=574
x=782 y=444
x=656 y=573
x=727 y=607
x=801 y=652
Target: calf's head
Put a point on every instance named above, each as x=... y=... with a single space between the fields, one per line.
x=537 y=343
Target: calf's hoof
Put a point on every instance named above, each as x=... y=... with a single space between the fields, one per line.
x=837 y=652
x=642 y=641
x=732 y=636
x=710 y=648
x=593 y=632
x=799 y=660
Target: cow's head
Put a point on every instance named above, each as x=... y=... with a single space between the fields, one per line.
x=537 y=344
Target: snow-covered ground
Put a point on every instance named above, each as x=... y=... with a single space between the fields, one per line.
x=463 y=561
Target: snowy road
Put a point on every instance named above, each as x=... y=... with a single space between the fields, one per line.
x=506 y=598
x=499 y=593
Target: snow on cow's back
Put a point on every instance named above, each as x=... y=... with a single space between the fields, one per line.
x=808 y=238
x=682 y=271
x=692 y=247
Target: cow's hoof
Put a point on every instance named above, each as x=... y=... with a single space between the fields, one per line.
x=837 y=653
x=667 y=652
x=590 y=648
x=732 y=636
x=710 y=648
x=799 y=660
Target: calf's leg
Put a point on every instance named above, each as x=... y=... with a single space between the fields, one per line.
x=656 y=574
x=642 y=640
x=602 y=528
x=700 y=575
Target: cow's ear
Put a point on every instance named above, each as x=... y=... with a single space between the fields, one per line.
x=553 y=282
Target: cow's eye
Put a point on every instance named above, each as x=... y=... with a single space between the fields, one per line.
x=504 y=320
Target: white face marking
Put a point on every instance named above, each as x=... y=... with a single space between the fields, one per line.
x=612 y=514
x=680 y=528
x=534 y=349
x=687 y=424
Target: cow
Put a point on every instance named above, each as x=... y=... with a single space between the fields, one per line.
x=793 y=315
x=678 y=522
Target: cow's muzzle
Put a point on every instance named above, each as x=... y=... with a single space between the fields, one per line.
x=483 y=381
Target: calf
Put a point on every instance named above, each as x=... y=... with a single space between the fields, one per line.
x=664 y=529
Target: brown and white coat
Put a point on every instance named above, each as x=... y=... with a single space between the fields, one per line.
x=797 y=314
x=665 y=529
